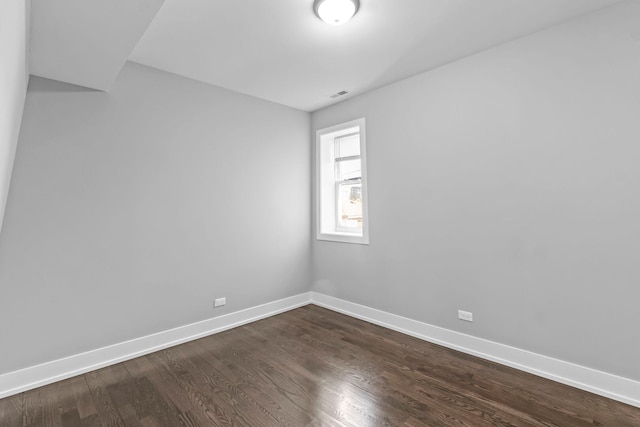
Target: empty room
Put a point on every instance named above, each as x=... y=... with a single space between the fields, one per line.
x=319 y=213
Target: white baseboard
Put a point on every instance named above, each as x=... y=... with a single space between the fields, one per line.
x=598 y=382
x=591 y=380
x=36 y=376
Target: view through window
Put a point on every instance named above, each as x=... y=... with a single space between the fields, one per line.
x=348 y=169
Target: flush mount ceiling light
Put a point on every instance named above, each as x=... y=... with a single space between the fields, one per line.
x=336 y=12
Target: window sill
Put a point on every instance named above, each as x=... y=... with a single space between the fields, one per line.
x=343 y=238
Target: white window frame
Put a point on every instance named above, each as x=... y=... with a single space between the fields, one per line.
x=326 y=184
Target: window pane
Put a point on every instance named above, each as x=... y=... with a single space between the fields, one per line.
x=350 y=205
x=348 y=169
x=348 y=146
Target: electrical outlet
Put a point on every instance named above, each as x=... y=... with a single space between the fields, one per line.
x=219 y=302
x=465 y=315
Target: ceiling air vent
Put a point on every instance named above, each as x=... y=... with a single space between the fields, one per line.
x=335 y=95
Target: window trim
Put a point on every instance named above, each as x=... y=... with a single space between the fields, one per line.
x=342 y=236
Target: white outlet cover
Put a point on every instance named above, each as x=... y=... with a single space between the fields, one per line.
x=465 y=315
x=219 y=302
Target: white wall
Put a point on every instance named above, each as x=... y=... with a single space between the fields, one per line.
x=131 y=210
x=516 y=171
x=14 y=28
x=507 y=184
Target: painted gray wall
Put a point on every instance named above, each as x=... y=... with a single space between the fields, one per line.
x=129 y=211
x=507 y=184
x=14 y=75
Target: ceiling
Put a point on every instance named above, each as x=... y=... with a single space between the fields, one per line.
x=86 y=42
x=278 y=50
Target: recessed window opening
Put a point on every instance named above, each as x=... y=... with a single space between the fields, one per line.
x=341 y=183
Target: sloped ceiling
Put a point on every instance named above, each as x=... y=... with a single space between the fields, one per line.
x=86 y=42
x=278 y=50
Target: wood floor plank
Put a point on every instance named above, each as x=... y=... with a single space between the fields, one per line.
x=32 y=408
x=106 y=409
x=123 y=392
x=262 y=383
x=55 y=402
x=318 y=398
x=370 y=380
x=228 y=401
x=311 y=367
x=202 y=405
x=228 y=380
x=156 y=401
x=84 y=403
x=338 y=379
x=11 y=410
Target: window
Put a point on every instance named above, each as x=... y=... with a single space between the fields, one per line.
x=342 y=183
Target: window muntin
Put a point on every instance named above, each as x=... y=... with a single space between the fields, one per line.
x=341 y=183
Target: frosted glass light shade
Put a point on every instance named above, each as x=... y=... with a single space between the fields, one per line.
x=336 y=12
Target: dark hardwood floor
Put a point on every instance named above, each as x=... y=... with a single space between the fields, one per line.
x=310 y=367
